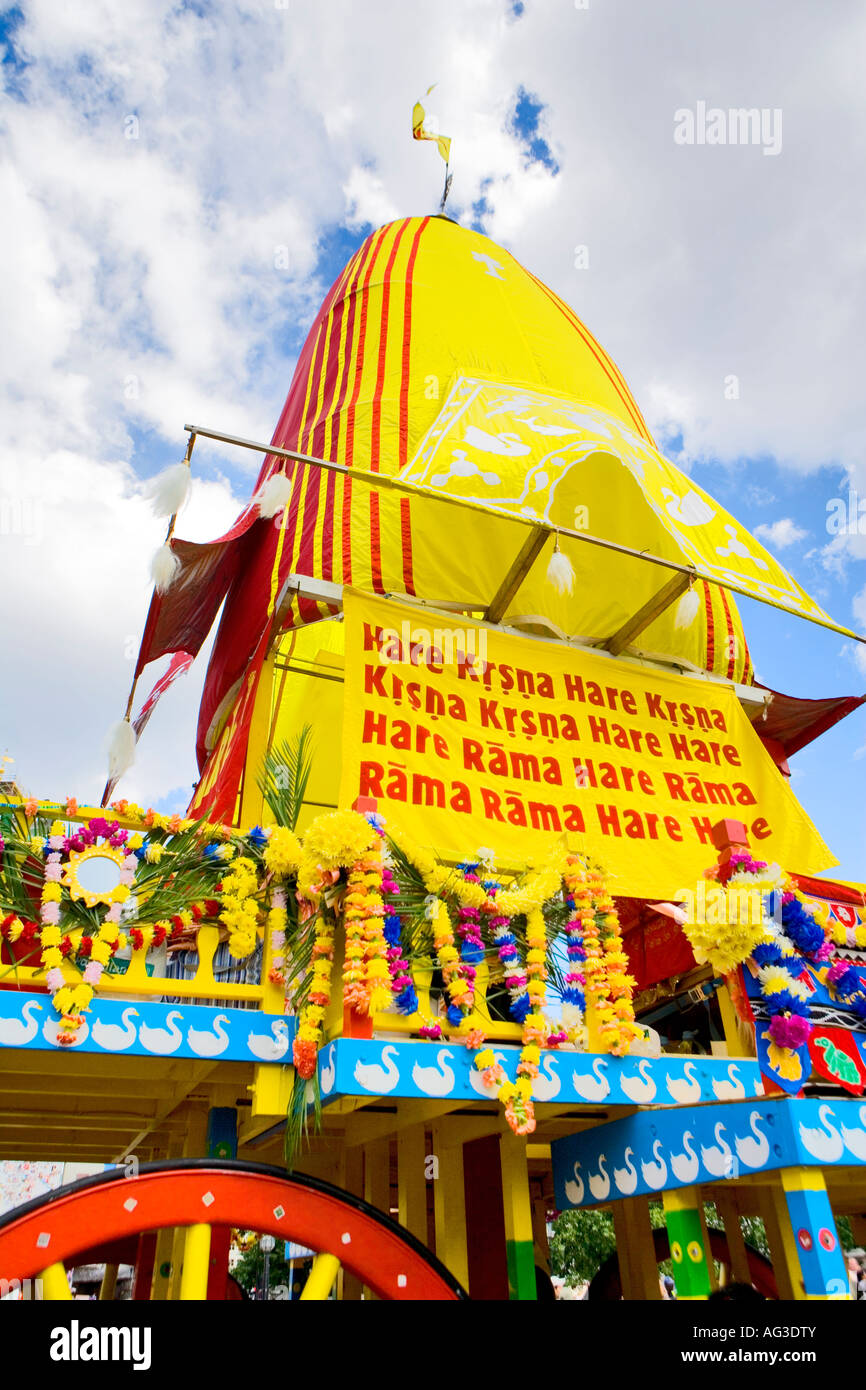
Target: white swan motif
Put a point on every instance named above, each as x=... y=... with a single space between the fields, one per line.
x=478 y=1086
x=270 y=1049
x=826 y=1143
x=690 y=510
x=116 y=1037
x=53 y=1027
x=732 y=1089
x=379 y=1080
x=547 y=1083
x=507 y=444
x=438 y=1080
x=641 y=1089
x=686 y=1090
x=685 y=1166
x=537 y=428
x=574 y=1188
x=205 y=1044
x=717 y=1160
x=754 y=1152
x=15 y=1032
x=655 y=1175
x=625 y=1179
x=591 y=1089
x=855 y=1139
x=329 y=1073
x=162 y=1041
x=599 y=1183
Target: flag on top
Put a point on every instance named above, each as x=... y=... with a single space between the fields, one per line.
x=419 y=115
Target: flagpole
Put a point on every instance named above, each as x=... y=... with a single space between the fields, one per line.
x=127 y=714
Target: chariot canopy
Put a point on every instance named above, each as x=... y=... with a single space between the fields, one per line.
x=441 y=367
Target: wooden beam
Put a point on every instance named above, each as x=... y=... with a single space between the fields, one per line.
x=528 y=554
x=651 y=610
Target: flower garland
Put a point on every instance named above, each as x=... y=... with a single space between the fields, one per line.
x=578 y=896
x=73 y=1001
x=608 y=984
x=239 y=898
x=308 y=1038
x=281 y=858
x=402 y=984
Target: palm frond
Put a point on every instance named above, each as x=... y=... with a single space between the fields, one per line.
x=284 y=777
x=306 y=1095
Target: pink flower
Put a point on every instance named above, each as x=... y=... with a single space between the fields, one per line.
x=54 y=979
x=92 y=972
x=51 y=914
x=789 y=1030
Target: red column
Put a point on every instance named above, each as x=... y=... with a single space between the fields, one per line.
x=144 y=1267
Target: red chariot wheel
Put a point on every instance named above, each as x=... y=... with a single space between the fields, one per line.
x=43 y=1237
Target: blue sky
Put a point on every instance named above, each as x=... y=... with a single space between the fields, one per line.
x=182 y=187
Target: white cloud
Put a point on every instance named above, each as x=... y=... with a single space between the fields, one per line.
x=781 y=533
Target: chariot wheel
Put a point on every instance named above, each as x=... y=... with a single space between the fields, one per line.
x=43 y=1238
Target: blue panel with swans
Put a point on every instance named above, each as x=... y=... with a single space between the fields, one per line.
x=379 y=1067
x=148 y=1029
x=662 y=1149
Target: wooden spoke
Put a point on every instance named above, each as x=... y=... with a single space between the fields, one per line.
x=322 y=1277
x=55 y=1285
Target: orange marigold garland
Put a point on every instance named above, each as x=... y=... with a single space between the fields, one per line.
x=308 y=1038
x=608 y=984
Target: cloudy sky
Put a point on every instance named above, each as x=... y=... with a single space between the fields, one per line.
x=181 y=183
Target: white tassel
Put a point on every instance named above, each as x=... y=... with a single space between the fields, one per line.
x=687 y=609
x=163 y=568
x=121 y=749
x=169 y=490
x=560 y=571
x=273 y=495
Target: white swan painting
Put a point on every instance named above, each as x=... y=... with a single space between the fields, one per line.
x=574 y=1188
x=641 y=1089
x=825 y=1143
x=162 y=1041
x=717 y=1158
x=479 y=1086
x=599 y=1183
x=855 y=1139
x=329 y=1073
x=16 y=1032
x=754 y=1150
x=685 y=1090
x=438 y=1080
x=379 y=1079
x=732 y=1089
x=206 y=1044
x=655 y=1175
x=685 y=1166
x=53 y=1027
x=594 y=1087
x=116 y=1037
x=625 y=1178
x=547 y=1083
x=270 y=1049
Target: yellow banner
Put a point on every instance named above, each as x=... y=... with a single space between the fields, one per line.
x=468 y=737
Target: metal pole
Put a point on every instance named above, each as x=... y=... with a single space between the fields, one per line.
x=390 y=484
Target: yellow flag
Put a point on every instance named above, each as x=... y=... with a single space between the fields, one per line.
x=419 y=133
